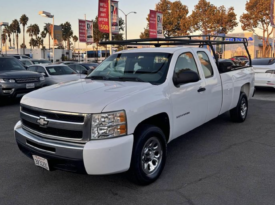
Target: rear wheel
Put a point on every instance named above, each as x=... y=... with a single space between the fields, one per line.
x=149 y=155
x=239 y=113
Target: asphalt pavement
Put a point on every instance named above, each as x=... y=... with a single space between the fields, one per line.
x=218 y=163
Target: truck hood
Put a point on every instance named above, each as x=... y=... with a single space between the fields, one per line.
x=82 y=96
x=18 y=74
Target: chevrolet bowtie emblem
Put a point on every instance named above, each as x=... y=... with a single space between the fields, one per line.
x=42 y=121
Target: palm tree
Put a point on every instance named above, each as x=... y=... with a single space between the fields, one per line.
x=75 y=39
x=36 y=30
x=4 y=39
x=67 y=33
x=43 y=35
x=39 y=41
x=47 y=30
x=16 y=29
x=24 y=21
x=7 y=30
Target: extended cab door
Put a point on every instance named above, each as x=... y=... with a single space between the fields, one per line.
x=213 y=86
x=188 y=100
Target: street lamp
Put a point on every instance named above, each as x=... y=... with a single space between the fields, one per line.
x=49 y=15
x=126 y=20
x=2 y=24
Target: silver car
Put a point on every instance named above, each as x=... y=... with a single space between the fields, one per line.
x=55 y=74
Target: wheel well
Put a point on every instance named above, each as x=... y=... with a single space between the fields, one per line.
x=246 y=89
x=160 y=120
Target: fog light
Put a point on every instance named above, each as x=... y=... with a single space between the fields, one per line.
x=8 y=91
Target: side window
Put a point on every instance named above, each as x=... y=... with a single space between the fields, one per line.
x=206 y=64
x=185 y=62
x=32 y=68
x=40 y=69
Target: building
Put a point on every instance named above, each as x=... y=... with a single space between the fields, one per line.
x=255 y=46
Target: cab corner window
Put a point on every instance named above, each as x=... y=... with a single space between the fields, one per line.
x=206 y=64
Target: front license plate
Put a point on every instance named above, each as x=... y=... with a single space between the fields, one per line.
x=30 y=85
x=41 y=162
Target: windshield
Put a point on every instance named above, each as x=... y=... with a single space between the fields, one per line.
x=10 y=64
x=60 y=70
x=141 y=67
x=40 y=61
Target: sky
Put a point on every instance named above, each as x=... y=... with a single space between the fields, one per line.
x=72 y=10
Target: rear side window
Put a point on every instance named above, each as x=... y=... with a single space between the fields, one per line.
x=206 y=64
x=32 y=68
x=185 y=62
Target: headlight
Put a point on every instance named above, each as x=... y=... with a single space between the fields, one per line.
x=7 y=81
x=42 y=78
x=108 y=125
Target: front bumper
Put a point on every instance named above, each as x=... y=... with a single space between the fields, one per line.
x=17 y=90
x=100 y=157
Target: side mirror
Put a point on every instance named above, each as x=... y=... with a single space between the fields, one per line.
x=184 y=77
x=85 y=72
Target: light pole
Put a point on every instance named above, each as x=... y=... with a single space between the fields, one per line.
x=2 y=24
x=49 y=15
x=126 y=20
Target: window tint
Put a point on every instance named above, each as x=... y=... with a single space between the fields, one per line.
x=26 y=63
x=32 y=68
x=25 y=57
x=185 y=62
x=206 y=64
x=40 y=69
x=10 y=64
x=60 y=70
x=18 y=57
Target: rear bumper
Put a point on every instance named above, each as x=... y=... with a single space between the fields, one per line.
x=94 y=158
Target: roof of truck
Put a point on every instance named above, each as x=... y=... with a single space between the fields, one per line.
x=156 y=50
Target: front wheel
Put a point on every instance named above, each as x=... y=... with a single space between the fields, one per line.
x=239 y=113
x=149 y=155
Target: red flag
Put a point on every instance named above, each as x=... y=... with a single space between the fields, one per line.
x=103 y=16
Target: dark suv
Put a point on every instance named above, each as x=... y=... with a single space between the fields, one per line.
x=15 y=81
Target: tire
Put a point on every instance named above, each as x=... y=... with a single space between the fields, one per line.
x=239 y=113
x=149 y=155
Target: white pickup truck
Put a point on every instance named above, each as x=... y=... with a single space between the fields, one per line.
x=123 y=115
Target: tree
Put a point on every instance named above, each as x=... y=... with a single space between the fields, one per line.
x=33 y=43
x=43 y=35
x=208 y=19
x=36 y=30
x=16 y=29
x=39 y=42
x=4 y=39
x=67 y=33
x=24 y=21
x=175 y=19
x=258 y=16
x=7 y=30
x=47 y=30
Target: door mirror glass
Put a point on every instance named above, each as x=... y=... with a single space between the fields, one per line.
x=184 y=77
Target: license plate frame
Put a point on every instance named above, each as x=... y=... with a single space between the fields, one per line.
x=30 y=85
x=41 y=162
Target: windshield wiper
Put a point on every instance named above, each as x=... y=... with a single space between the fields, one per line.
x=97 y=77
x=128 y=79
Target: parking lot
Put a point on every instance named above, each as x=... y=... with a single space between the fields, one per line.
x=218 y=163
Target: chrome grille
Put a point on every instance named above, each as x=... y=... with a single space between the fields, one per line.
x=26 y=80
x=63 y=126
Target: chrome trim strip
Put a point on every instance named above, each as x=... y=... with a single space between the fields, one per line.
x=51 y=120
x=39 y=148
x=78 y=140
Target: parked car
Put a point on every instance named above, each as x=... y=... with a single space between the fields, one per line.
x=55 y=74
x=68 y=62
x=81 y=70
x=264 y=72
x=19 y=56
x=15 y=81
x=240 y=60
x=89 y=66
x=122 y=120
x=29 y=62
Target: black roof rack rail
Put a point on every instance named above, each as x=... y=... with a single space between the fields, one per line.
x=193 y=40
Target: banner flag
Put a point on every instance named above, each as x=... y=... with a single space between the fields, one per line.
x=82 y=31
x=115 y=18
x=89 y=32
x=155 y=24
x=103 y=16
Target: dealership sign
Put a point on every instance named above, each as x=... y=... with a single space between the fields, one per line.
x=103 y=16
x=85 y=31
x=115 y=18
x=155 y=24
x=272 y=13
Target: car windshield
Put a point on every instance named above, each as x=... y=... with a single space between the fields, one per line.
x=10 y=64
x=263 y=61
x=40 y=61
x=60 y=70
x=140 y=67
